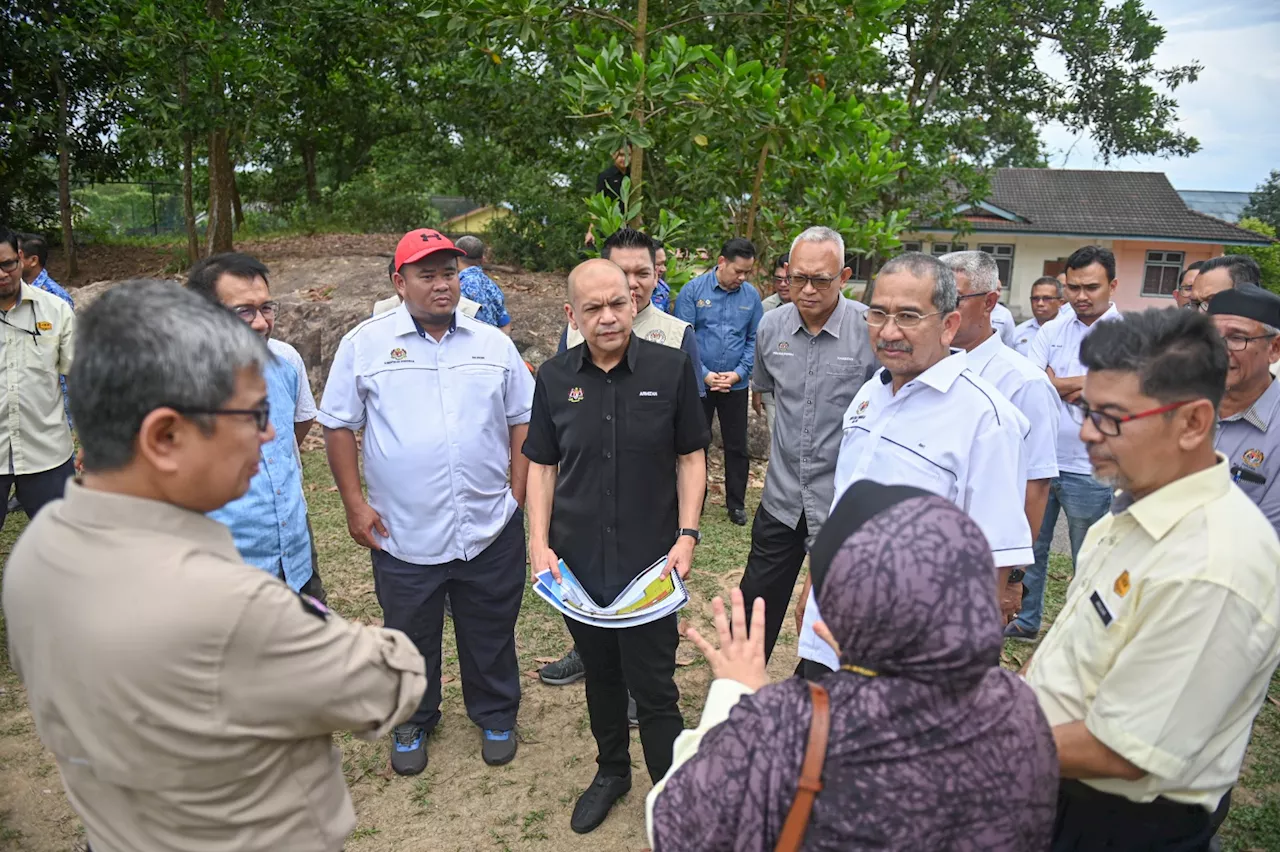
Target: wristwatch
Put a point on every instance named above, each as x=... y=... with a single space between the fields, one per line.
x=693 y=534
x=1016 y=575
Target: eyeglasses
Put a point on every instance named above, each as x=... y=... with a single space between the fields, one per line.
x=904 y=319
x=818 y=282
x=249 y=313
x=1109 y=424
x=779 y=279
x=1239 y=343
x=261 y=416
x=1197 y=305
x=969 y=296
x=9 y=265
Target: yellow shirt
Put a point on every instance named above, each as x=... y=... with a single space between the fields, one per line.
x=37 y=341
x=1169 y=637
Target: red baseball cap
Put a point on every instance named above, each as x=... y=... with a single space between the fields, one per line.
x=416 y=245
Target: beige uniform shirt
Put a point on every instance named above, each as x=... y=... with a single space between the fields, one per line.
x=1169 y=637
x=37 y=336
x=188 y=697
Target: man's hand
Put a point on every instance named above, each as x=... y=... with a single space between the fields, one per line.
x=731 y=378
x=757 y=402
x=711 y=380
x=679 y=557
x=1068 y=389
x=543 y=558
x=740 y=656
x=1010 y=602
x=362 y=522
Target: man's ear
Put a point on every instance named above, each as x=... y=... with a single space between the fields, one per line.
x=1199 y=419
x=163 y=435
x=568 y=314
x=398 y=280
x=990 y=300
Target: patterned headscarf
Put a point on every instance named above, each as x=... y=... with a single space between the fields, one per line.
x=939 y=749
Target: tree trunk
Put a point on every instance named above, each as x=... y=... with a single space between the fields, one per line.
x=64 y=174
x=764 y=146
x=221 y=189
x=637 y=153
x=188 y=167
x=308 y=149
x=237 y=207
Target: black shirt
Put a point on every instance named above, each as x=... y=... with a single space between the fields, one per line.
x=615 y=437
x=609 y=182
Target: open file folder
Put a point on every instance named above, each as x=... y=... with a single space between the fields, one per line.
x=646 y=598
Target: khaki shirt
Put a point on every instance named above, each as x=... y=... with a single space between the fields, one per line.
x=37 y=337
x=187 y=697
x=1169 y=637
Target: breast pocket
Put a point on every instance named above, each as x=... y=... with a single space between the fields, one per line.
x=42 y=352
x=650 y=425
x=917 y=466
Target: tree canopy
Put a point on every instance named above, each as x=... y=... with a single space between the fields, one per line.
x=749 y=117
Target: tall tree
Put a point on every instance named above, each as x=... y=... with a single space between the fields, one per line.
x=1264 y=203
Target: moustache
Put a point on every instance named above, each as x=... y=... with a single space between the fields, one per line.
x=894 y=346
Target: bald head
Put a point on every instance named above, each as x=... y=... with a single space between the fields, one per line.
x=600 y=306
x=593 y=272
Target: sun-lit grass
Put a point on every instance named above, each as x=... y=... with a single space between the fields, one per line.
x=531 y=813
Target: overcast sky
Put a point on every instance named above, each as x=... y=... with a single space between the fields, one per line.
x=1233 y=109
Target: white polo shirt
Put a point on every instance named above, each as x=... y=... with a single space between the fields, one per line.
x=1031 y=392
x=1024 y=335
x=1003 y=322
x=1058 y=346
x=949 y=432
x=436 y=417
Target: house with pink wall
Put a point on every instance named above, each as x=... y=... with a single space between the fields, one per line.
x=1033 y=220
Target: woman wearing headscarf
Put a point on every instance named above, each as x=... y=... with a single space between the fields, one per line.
x=932 y=746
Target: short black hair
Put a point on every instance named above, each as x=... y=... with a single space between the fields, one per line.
x=1089 y=255
x=1242 y=268
x=783 y=260
x=1178 y=355
x=7 y=236
x=736 y=248
x=1047 y=281
x=34 y=245
x=203 y=277
x=629 y=238
x=391 y=269
x=1191 y=267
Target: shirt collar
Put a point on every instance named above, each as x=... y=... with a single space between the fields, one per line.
x=582 y=355
x=831 y=326
x=90 y=507
x=942 y=375
x=1112 y=312
x=406 y=324
x=1160 y=511
x=982 y=354
x=1263 y=411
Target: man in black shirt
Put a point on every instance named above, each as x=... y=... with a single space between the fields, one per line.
x=617 y=445
x=609 y=182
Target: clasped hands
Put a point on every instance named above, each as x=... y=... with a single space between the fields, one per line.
x=722 y=382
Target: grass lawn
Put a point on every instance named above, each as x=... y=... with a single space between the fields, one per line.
x=459 y=803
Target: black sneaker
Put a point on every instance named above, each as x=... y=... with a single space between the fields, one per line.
x=633 y=717
x=499 y=747
x=738 y=516
x=564 y=671
x=596 y=802
x=408 y=750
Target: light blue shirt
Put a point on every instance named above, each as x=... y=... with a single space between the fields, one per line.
x=725 y=323
x=269 y=523
x=478 y=287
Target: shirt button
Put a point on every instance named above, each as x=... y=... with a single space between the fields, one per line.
x=808 y=402
x=608 y=381
x=608 y=417
x=811 y=372
x=608 y=454
x=608 y=529
x=804 y=460
x=608 y=492
x=284 y=523
x=813 y=342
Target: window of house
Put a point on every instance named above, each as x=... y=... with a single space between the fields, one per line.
x=939 y=249
x=912 y=246
x=1004 y=259
x=861 y=268
x=1160 y=276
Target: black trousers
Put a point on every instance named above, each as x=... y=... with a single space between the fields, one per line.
x=486 y=594
x=314 y=587
x=777 y=552
x=1090 y=820
x=732 y=408
x=35 y=489
x=642 y=659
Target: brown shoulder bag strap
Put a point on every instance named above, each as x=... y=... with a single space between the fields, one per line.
x=815 y=754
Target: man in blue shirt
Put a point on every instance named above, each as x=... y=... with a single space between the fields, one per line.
x=724 y=315
x=35 y=256
x=661 y=297
x=269 y=523
x=477 y=286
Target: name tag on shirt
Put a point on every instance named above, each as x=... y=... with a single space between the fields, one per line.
x=1101 y=608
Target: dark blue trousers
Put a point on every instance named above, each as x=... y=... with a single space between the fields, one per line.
x=485 y=595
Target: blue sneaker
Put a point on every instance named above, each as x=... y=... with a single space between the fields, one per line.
x=499 y=747
x=408 y=750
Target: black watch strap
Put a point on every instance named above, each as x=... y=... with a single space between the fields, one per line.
x=693 y=534
x=1016 y=575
